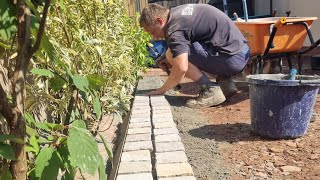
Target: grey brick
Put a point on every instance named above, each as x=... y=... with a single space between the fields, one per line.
x=156 y=108
x=139 y=145
x=142 y=176
x=160 y=103
x=175 y=169
x=162 y=119
x=138 y=137
x=157 y=98
x=159 y=125
x=166 y=131
x=140 y=125
x=141 y=107
x=136 y=156
x=141 y=103
x=140 y=111
x=140 y=115
x=145 y=130
x=139 y=119
x=141 y=100
x=135 y=167
x=164 y=115
x=161 y=111
x=171 y=157
x=169 y=146
x=167 y=138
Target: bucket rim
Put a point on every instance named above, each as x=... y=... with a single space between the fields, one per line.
x=283 y=80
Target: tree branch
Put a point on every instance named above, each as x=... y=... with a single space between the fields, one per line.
x=5 y=108
x=41 y=28
x=72 y=102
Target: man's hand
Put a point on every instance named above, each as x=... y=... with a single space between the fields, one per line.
x=155 y=92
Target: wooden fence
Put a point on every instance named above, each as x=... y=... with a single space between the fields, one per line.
x=134 y=6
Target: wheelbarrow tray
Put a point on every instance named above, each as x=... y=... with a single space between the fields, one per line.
x=289 y=37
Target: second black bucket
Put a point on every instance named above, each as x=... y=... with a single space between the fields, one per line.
x=281 y=108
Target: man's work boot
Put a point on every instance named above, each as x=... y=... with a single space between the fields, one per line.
x=208 y=96
x=227 y=86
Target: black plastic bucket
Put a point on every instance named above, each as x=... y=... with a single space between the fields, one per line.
x=281 y=108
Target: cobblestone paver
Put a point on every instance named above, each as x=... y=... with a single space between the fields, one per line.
x=153 y=149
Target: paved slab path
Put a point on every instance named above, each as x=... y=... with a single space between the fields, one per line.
x=153 y=149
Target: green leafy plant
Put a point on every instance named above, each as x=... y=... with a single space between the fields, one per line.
x=89 y=59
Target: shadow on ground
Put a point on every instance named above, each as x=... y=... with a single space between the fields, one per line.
x=177 y=101
x=226 y=132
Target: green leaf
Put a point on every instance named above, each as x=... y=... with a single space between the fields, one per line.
x=62 y=140
x=79 y=124
x=48 y=48
x=42 y=126
x=42 y=72
x=56 y=83
x=54 y=126
x=34 y=143
x=50 y=172
x=43 y=160
x=96 y=81
x=50 y=138
x=31 y=131
x=29 y=118
x=65 y=156
x=67 y=176
x=4 y=45
x=31 y=174
x=31 y=149
x=102 y=170
x=45 y=43
x=107 y=148
x=49 y=126
x=97 y=107
x=83 y=150
x=5 y=137
x=5 y=173
x=42 y=140
x=6 y=151
x=80 y=82
x=8 y=21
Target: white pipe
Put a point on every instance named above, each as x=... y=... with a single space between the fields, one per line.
x=245 y=10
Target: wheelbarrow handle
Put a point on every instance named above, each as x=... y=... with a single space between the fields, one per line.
x=280 y=22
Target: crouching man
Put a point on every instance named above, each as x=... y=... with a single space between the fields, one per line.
x=200 y=38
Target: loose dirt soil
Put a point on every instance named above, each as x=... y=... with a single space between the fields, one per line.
x=220 y=144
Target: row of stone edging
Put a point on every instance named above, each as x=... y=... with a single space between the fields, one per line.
x=153 y=147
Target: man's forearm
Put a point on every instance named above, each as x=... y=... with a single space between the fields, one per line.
x=173 y=80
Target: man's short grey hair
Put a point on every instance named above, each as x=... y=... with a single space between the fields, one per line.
x=151 y=12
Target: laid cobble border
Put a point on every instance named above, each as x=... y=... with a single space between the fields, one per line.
x=153 y=149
